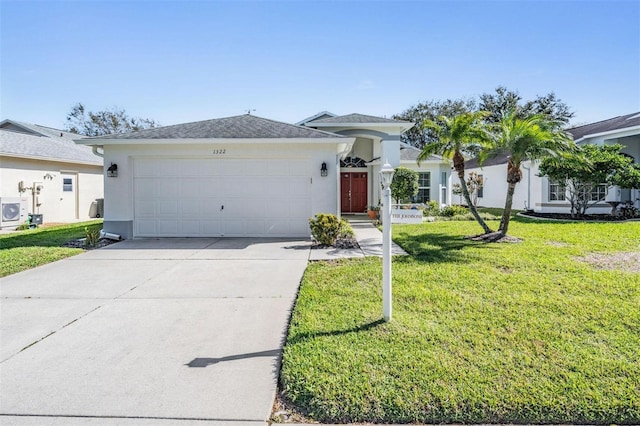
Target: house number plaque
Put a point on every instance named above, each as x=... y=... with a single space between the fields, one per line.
x=219 y=151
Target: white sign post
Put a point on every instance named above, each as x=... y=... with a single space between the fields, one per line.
x=386 y=176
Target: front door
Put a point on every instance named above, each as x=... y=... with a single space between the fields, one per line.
x=353 y=192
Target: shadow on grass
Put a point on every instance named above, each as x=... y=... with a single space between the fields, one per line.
x=312 y=335
x=46 y=237
x=438 y=247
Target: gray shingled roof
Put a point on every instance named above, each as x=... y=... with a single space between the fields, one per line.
x=44 y=142
x=410 y=153
x=499 y=158
x=239 y=127
x=616 y=123
x=354 y=118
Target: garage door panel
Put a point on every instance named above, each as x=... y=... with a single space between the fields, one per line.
x=298 y=168
x=190 y=208
x=146 y=227
x=189 y=187
x=210 y=187
x=183 y=197
x=167 y=207
x=145 y=187
x=167 y=187
x=190 y=227
x=145 y=168
x=212 y=227
x=299 y=209
x=298 y=186
x=277 y=227
x=299 y=227
x=234 y=228
x=167 y=227
x=145 y=208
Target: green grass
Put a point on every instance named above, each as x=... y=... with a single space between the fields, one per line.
x=482 y=333
x=27 y=249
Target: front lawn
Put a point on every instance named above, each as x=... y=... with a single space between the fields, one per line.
x=482 y=333
x=27 y=249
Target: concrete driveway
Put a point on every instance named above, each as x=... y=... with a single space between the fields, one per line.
x=151 y=331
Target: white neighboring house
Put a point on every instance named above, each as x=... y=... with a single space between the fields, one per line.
x=42 y=171
x=538 y=194
x=250 y=176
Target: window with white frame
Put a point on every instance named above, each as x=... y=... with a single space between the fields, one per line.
x=557 y=191
x=599 y=192
x=424 y=188
x=480 y=188
x=443 y=188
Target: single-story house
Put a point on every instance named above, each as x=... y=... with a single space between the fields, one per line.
x=539 y=194
x=250 y=176
x=43 y=171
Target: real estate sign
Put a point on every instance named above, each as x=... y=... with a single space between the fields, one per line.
x=406 y=216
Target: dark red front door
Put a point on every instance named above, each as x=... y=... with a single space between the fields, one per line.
x=353 y=192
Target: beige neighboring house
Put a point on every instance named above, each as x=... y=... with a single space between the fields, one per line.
x=42 y=171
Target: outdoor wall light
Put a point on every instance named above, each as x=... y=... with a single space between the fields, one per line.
x=323 y=169
x=112 y=171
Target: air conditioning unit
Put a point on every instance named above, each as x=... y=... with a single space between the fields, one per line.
x=13 y=211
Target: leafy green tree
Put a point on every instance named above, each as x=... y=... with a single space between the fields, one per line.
x=498 y=104
x=455 y=136
x=525 y=139
x=404 y=185
x=502 y=102
x=419 y=136
x=88 y=123
x=584 y=170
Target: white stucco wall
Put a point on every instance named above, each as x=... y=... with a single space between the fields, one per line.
x=527 y=192
x=89 y=186
x=119 y=190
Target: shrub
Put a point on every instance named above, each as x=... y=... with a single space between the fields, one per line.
x=92 y=236
x=327 y=229
x=450 y=211
x=431 y=209
x=405 y=184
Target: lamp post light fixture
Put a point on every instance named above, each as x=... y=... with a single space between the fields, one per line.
x=386 y=177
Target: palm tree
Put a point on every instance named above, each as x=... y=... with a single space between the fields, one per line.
x=460 y=133
x=525 y=139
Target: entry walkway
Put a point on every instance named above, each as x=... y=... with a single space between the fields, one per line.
x=369 y=239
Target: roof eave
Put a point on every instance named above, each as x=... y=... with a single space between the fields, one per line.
x=53 y=159
x=608 y=132
x=402 y=127
x=207 y=141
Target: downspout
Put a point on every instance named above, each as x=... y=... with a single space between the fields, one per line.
x=94 y=148
x=528 y=203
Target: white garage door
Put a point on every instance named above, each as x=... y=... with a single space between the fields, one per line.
x=221 y=197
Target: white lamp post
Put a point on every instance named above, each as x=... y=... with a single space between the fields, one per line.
x=386 y=176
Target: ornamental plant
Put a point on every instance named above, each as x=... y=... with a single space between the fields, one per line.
x=327 y=229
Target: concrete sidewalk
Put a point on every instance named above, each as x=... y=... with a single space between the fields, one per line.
x=369 y=239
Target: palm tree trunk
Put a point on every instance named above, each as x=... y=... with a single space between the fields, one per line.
x=506 y=214
x=472 y=208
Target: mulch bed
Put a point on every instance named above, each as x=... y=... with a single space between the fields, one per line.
x=81 y=243
x=566 y=216
x=343 y=243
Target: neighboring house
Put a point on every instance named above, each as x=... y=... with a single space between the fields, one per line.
x=250 y=176
x=43 y=171
x=539 y=194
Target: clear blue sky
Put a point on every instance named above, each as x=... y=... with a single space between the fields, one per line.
x=185 y=61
